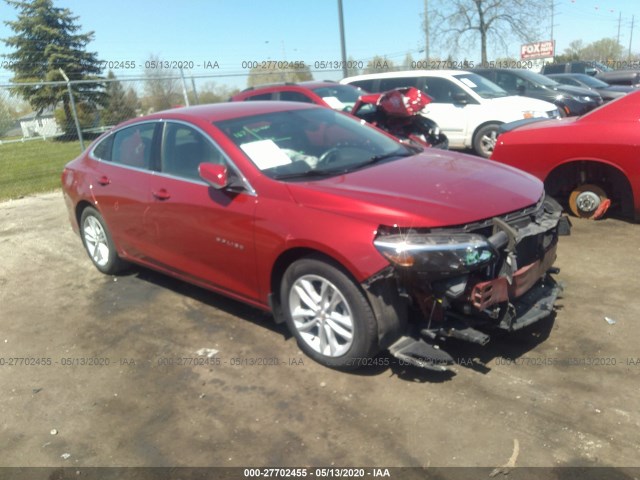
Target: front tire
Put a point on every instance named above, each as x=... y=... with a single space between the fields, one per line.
x=98 y=243
x=485 y=139
x=328 y=314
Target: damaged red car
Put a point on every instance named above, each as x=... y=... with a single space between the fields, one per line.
x=590 y=162
x=358 y=242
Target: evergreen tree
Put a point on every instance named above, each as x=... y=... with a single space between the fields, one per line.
x=47 y=39
x=118 y=107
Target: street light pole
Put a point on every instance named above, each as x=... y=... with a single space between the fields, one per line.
x=343 y=48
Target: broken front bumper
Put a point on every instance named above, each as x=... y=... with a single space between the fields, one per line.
x=465 y=281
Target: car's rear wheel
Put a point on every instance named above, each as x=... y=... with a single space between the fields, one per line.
x=98 y=243
x=588 y=201
x=485 y=139
x=328 y=314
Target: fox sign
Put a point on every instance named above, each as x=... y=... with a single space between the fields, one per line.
x=537 y=50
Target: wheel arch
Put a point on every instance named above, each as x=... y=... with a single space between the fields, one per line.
x=486 y=123
x=284 y=260
x=381 y=292
x=482 y=125
x=562 y=179
x=80 y=206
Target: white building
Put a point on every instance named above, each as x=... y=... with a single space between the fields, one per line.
x=40 y=125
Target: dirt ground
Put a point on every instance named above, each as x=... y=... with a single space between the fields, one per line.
x=110 y=376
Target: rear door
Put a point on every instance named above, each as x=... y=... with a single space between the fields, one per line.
x=120 y=184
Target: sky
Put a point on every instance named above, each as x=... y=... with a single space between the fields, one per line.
x=235 y=33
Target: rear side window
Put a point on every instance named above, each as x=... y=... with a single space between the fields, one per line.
x=295 y=97
x=262 y=96
x=132 y=145
x=367 y=85
x=103 y=149
x=554 y=68
x=391 y=83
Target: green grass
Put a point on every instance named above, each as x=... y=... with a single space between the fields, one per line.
x=33 y=166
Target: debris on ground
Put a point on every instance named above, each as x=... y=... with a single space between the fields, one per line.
x=504 y=469
x=207 y=352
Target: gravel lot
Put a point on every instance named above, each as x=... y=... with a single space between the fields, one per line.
x=564 y=393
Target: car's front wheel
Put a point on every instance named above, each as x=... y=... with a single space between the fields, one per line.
x=328 y=314
x=98 y=243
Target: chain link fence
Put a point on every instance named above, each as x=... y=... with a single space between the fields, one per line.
x=35 y=144
x=87 y=108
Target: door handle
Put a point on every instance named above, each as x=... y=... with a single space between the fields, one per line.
x=104 y=180
x=162 y=194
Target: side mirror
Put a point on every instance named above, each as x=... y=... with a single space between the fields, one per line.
x=460 y=97
x=214 y=174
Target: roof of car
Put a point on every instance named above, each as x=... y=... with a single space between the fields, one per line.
x=306 y=84
x=407 y=73
x=227 y=110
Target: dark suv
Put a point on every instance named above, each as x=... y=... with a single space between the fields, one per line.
x=326 y=93
x=570 y=101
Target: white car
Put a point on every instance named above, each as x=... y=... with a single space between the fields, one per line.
x=468 y=108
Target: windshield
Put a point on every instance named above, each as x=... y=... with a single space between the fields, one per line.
x=589 y=80
x=601 y=67
x=537 y=79
x=482 y=86
x=339 y=97
x=315 y=142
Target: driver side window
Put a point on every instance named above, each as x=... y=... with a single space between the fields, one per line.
x=184 y=148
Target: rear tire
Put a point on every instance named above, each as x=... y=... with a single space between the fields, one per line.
x=98 y=243
x=586 y=199
x=328 y=314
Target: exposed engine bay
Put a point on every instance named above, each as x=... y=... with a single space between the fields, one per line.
x=464 y=281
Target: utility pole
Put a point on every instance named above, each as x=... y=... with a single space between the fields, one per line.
x=631 y=36
x=553 y=5
x=619 y=22
x=343 y=48
x=426 y=31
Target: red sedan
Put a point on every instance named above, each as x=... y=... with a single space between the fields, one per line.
x=592 y=162
x=357 y=242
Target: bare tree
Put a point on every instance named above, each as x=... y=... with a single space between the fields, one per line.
x=162 y=86
x=495 y=21
x=278 y=71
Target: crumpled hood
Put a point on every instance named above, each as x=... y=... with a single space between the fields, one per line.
x=431 y=189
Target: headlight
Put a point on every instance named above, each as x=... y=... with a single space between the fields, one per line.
x=533 y=114
x=437 y=253
x=559 y=97
x=587 y=99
